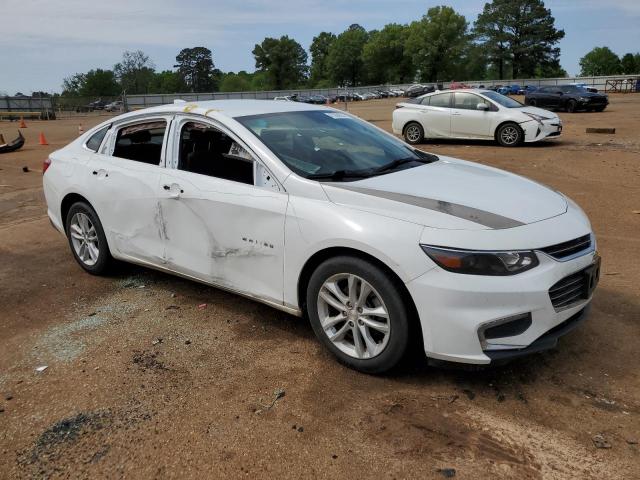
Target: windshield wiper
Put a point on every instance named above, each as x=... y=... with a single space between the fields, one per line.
x=398 y=162
x=340 y=174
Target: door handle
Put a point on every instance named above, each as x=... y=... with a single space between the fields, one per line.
x=100 y=173
x=456 y=113
x=174 y=190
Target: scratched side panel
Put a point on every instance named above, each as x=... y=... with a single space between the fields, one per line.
x=226 y=233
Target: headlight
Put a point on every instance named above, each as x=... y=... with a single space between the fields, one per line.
x=537 y=118
x=481 y=262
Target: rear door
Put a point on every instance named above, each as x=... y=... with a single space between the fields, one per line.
x=125 y=184
x=435 y=115
x=223 y=212
x=466 y=120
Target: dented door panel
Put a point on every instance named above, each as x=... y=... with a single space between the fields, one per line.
x=224 y=232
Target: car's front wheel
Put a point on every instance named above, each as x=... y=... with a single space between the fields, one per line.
x=87 y=239
x=532 y=102
x=413 y=133
x=358 y=312
x=509 y=135
x=571 y=106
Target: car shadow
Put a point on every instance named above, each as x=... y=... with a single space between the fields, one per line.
x=446 y=142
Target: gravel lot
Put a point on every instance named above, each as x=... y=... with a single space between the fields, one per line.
x=145 y=382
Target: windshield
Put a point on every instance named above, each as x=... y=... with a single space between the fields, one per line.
x=330 y=143
x=502 y=99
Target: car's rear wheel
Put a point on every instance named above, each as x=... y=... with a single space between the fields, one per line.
x=413 y=133
x=509 y=135
x=571 y=106
x=358 y=313
x=87 y=239
x=532 y=102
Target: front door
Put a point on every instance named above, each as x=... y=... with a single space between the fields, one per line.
x=436 y=117
x=223 y=222
x=466 y=120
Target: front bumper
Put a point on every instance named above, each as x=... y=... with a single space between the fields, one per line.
x=547 y=129
x=454 y=309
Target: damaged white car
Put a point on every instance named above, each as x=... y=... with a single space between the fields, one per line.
x=318 y=213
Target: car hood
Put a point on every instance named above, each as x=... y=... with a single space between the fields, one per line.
x=452 y=194
x=538 y=111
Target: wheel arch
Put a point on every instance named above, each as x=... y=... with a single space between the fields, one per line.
x=409 y=122
x=68 y=200
x=495 y=132
x=324 y=254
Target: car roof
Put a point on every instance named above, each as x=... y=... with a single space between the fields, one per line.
x=231 y=108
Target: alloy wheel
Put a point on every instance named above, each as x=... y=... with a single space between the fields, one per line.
x=84 y=239
x=353 y=316
x=509 y=135
x=413 y=133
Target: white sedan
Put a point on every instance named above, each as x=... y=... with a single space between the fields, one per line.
x=474 y=115
x=320 y=214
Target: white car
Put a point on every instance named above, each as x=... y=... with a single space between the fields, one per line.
x=473 y=114
x=284 y=99
x=320 y=214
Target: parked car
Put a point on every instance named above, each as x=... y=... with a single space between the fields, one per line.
x=528 y=89
x=474 y=114
x=458 y=85
x=567 y=97
x=380 y=247
x=417 y=90
x=515 y=89
x=114 y=106
x=585 y=87
x=317 y=99
x=285 y=98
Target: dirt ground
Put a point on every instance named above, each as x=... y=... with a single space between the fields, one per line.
x=145 y=382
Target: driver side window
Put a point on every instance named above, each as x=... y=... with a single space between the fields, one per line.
x=206 y=150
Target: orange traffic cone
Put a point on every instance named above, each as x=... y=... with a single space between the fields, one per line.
x=22 y=124
x=80 y=129
x=43 y=141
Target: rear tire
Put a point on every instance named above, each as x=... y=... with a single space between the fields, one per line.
x=571 y=106
x=509 y=135
x=413 y=133
x=87 y=239
x=369 y=332
x=532 y=103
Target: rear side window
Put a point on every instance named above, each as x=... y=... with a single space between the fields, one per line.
x=141 y=142
x=440 y=100
x=95 y=140
x=425 y=101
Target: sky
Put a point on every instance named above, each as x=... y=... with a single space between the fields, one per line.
x=44 y=41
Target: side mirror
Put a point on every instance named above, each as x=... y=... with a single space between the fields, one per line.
x=482 y=106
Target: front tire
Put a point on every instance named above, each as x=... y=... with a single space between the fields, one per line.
x=413 y=133
x=358 y=313
x=571 y=106
x=532 y=102
x=87 y=239
x=509 y=135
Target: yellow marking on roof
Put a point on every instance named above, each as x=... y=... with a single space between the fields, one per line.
x=190 y=107
x=211 y=110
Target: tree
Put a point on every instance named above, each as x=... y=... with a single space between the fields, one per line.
x=436 y=42
x=384 y=56
x=94 y=83
x=283 y=60
x=166 y=82
x=236 y=82
x=630 y=63
x=319 y=52
x=134 y=72
x=600 y=61
x=195 y=67
x=344 y=61
x=520 y=32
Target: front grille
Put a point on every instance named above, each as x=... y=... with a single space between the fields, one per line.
x=569 y=290
x=564 y=250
